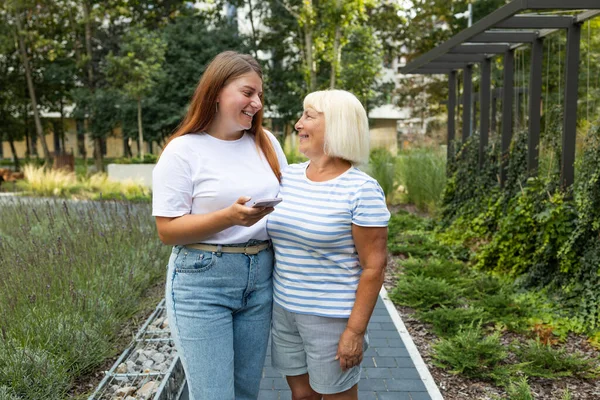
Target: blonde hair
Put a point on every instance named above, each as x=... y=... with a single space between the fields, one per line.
x=346 y=124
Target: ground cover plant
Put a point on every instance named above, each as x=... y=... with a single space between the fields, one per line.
x=44 y=182
x=487 y=327
x=73 y=273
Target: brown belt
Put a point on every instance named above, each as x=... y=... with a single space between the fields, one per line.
x=250 y=250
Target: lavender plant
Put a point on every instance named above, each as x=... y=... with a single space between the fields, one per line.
x=72 y=274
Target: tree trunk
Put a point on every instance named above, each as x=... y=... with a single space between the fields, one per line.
x=335 y=60
x=254 y=39
x=98 y=156
x=11 y=142
x=140 y=129
x=308 y=42
x=26 y=131
x=62 y=126
x=32 y=95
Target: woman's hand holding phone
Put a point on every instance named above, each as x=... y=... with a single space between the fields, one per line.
x=240 y=214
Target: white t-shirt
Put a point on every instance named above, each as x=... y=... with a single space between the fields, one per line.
x=317 y=268
x=200 y=174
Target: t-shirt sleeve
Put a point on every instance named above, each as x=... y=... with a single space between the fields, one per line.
x=279 y=151
x=368 y=206
x=172 y=186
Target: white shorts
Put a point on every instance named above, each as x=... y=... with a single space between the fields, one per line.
x=302 y=343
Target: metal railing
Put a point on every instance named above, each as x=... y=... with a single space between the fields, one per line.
x=149 y=368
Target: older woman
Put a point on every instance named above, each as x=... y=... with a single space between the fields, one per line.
x=330 y=236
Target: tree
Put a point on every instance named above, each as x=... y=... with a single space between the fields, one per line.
x=137 y=68
x=362 y=61
x=186 y=58
x=19 y=14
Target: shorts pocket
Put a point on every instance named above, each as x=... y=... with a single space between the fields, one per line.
x=193 y=261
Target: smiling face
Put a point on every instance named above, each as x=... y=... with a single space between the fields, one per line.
x=311 y=133
x=237 y=103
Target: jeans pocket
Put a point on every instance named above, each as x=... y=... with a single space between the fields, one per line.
x=193 y=261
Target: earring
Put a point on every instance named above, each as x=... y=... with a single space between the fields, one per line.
x=216 y=107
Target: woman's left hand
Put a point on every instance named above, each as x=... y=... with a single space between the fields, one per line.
x=350 y=349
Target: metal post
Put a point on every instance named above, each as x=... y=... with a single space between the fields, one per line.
x=570 y=105
x=467 y=93
x=451 y=115
x=494 y=112
x=507 y=111
x=484 y=107
x=535 y=95
x=474 y=100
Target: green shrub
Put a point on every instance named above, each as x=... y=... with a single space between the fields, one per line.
x=544 y=361
x=424 y=293
x=504 y=308
x=423 y=174
x=448 y=322
x=417 y=244
x=470 y=353
x=484 y=285
x=148 y=159
x=519 y=390
x=455 y=273
x=403 y=221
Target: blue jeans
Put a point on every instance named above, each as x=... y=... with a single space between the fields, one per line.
x=219 y=307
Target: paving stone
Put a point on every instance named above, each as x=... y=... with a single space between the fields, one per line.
x=285 y=395
x=370 y=352
x=392 y=396
x=367 y=396
x=405 y=362
x=381 y=373
x=379 y=342
x=374 y=326
x=404 y=373
x=419 y=396
x=378 y=311
x=368 y=362
x=266 y=383
x=383 y=334
x=385 y=362
x=372 y=384
x=396 y=342
x=393 y=352
x=270 y=372
x=268 y=395
x=380 y=318
x=388 y=326
x=280 y=384
x=405 y=385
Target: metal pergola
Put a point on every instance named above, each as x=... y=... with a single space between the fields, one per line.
x=501 y=33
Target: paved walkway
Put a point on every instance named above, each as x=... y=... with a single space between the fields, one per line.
x=392 y=367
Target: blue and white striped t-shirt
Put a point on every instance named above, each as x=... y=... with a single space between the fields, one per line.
x=316 y=264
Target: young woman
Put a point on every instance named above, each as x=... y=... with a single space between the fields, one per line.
x=219 y=289
x=330 y=237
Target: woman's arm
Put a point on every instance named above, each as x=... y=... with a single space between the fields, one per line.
x=194 y=228
x=371 y=245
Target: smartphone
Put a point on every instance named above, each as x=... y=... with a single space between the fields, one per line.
x=266 y=202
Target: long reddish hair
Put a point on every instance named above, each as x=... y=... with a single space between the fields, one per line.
x=224 y=68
